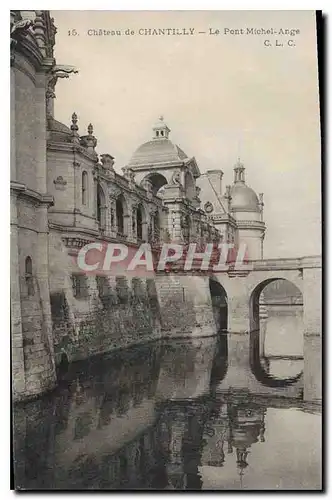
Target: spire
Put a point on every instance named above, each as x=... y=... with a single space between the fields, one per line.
x=160 y=130
x=239 y=172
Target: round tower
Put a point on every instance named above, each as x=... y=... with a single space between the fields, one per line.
x=247 y=209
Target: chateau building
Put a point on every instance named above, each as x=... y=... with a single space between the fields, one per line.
x=65 y=194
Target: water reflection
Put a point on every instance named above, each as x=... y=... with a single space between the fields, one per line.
x=150 y=418
x=280 y=341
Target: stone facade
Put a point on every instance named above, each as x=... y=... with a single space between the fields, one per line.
x=65 y=194
x=32 y=339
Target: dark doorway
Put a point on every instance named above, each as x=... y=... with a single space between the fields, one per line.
x=220 y=312
x=219 y=305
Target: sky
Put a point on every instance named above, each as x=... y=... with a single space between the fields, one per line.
x=222 y=96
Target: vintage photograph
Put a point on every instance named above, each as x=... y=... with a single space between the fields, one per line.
x=165 y=245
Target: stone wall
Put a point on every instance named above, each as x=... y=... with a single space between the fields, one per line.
x=111 y=312
x=32 y=343
x=116 y=311
x=106 y=406
x=185 y=305
x=312 y=309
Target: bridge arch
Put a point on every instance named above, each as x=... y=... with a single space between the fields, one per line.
x=255 y=296
x=257 y=332
x=219 y=301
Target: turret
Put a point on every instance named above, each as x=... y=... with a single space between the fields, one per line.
x=247 y=209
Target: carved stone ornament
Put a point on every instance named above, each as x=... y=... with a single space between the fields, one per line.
x=114 y=191
x=175 y=180
x=107 y=161
x=147 y=185
x=75 y=242
x=112 y=217
x=60 y=183
x=18 y=28
x=208 y=207
x=128 y=174
x=89 y=141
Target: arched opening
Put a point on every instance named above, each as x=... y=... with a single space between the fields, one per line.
x=220 y=312
x=29 y=276
x=101 y=207
x=62 y=367
x=28 y=266
x=84 y=188
x=189 y=186
x=276 y=332
x=121 y=212
x=219 y=305
x=157 y=180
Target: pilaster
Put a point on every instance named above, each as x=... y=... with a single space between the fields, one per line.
x=40 y=133
x=42 y=275
x=12 y=125
x=238 y=305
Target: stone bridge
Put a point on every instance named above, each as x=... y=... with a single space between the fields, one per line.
x=243 y=293
x=242 y=289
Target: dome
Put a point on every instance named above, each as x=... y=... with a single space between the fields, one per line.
x=244 y=198
x=157 y=151
x=59 y=132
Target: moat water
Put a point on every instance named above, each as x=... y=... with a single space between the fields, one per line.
x=152 y=417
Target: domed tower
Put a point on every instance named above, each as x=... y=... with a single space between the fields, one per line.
x=161 y=167
x=247 y=209
x=161 y=162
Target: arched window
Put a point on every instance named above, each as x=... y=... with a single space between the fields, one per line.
x=84 y=188
x=28 y=276
x=156 y=227
x=101 y=207
x=157 y=181
x=139 y=223
x=28 y=266
x=120 y=215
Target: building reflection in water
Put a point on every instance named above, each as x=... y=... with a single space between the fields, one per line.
x=136 y=420
x=246 y=427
